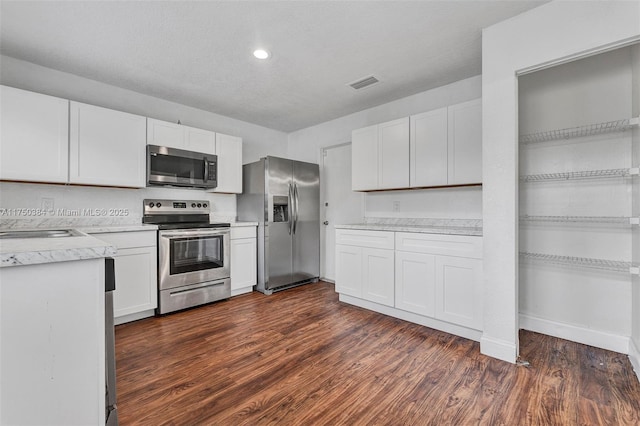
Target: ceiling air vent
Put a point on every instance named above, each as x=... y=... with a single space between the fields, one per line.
x=364 y=82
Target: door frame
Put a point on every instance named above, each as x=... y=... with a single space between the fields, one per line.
x=321 y=157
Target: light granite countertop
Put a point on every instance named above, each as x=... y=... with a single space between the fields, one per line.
x=239 y=224
x=472 y=227
x=31 y=251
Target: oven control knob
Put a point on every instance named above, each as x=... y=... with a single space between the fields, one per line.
x=151 y=205
x=158 y=204
x=204 y=205
x=193 y=205
x=199 y=205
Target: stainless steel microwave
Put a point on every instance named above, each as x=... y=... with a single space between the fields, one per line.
x=177 y=167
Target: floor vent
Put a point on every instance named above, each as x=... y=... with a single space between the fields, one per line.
x=364 y=82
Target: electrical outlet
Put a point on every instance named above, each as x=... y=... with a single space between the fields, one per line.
x=396 y=206
x=47 y=203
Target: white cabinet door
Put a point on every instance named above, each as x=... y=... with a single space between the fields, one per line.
x=459 y=291
x=364 y=159
x=106 y=147
x=244 y=266
x=393 y=154
x=136 y=285
x=378 y=276
x=429 y=148
x=34 y=138
x=229 y=151
x=416 y=283
x=199 y=140
x=349 y=270
x=465 y=143
x=167 y=134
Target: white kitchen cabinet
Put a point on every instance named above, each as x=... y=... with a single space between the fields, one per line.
x=446 y=146
x=172 y=135
x=136 y=294
x=378 y=276
x=459 y=291
x=34 y=138
x=229 y=152
x=429 y=148
x=348 y=270
x=465 y=143
x=365 y=265
x=416 y=282
x=244 y=259
x=52 y=357
x=364 y=159
x=380 y=158
x=106 y=147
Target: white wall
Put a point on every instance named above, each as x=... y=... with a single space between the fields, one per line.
x=257 y=141
x=464 y=203
x=553 y=32
x=584 y=305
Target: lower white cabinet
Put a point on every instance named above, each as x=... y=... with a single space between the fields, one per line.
x=415 y=283
x=364 y=265
x=53 y=344
x=244 y=259
x=459 y=291
x=136 y=294
x=432 y=279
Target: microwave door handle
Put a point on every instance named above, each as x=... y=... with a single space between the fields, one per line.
x=206 y=169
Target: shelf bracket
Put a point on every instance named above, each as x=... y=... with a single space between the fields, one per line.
x=634 y=171
x=634 y=220
x=634 y=270
x=634 y=121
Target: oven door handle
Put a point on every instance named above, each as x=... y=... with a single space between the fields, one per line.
x=194 y=234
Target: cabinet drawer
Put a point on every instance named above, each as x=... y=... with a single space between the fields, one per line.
x=361 y=238
x=447 y=245
x=243 y=232
x=129 y=239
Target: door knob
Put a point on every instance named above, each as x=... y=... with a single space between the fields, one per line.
x=326 y=222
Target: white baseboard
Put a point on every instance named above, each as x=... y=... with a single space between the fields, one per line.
x=134 y=317
x=599 y=339
x=497 y=348
x=327 y=280
x=634 y=357
x=457 y=330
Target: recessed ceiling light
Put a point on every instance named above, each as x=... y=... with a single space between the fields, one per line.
x=261 y=54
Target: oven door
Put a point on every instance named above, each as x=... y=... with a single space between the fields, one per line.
x=192 y=256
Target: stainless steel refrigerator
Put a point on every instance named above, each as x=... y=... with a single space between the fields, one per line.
x=283 y=196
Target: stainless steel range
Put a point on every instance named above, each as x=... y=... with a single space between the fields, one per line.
x=193 y=254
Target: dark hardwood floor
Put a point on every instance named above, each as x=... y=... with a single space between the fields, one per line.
x=300 y=357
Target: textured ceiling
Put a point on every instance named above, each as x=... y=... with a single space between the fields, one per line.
x=198 y=53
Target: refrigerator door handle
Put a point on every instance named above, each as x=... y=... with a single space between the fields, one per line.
x=290 y=203
x=295 y=197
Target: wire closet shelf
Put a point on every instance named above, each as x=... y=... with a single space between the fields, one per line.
x=613 y=220
x=585 y=262
x=580 y=131
x=584 y=174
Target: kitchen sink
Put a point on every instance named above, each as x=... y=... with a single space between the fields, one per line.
x=45 y=233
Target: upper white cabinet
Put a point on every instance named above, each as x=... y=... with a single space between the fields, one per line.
x=172 y=135
x=465 y=143
x=436 y=148
x=229 y=151
x=429 y=151
x=446 y=146
x=380 y=158
x=34 y=141
x=103 y=140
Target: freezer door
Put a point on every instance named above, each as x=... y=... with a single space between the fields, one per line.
x=278 y=227
x=306 y=224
